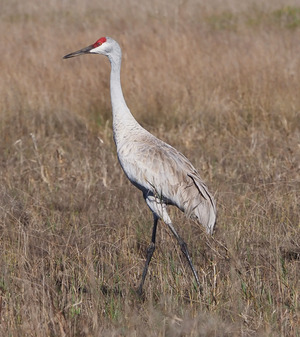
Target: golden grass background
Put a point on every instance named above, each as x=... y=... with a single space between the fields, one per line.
x=220 y=81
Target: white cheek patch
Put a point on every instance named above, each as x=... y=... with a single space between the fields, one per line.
x=97 y=50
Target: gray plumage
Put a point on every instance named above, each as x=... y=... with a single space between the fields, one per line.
x=164 y=175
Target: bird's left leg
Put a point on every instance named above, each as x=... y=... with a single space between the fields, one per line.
x=160 y=208
x=150 y=252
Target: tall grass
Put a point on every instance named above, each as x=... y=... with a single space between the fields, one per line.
x=218 y=80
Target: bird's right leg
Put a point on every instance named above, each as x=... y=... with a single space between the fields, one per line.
x=150 y=252
x=185 y=251
x=160 y=208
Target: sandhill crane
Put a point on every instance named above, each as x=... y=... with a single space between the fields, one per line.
x=163 y=174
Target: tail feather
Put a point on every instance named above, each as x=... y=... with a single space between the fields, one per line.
x=205 y=209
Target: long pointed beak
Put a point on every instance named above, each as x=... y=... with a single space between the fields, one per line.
x=85 y=50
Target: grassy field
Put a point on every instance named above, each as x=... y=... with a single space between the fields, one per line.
x=220 y=81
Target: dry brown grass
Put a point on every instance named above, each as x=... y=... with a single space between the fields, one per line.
x=218 y=80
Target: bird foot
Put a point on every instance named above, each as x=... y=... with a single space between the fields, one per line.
x=140 y=293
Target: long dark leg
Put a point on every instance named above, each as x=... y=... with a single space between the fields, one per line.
x=185 y=251
x=150 y=252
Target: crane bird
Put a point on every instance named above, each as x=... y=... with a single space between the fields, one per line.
x=164 y=175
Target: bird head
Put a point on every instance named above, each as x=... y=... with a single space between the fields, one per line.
x=102 y=46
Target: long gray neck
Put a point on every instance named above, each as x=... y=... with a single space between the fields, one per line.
x=124 y=123
x=116 y=94
x=119 y=107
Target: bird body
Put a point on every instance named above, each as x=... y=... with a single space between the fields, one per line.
x=163 y=174
x=158 y=169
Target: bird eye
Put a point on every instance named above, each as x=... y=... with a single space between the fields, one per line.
x=99 y=42
x=96 y=44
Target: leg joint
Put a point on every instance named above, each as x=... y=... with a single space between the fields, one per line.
x=151 y=249
x=183 y=246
